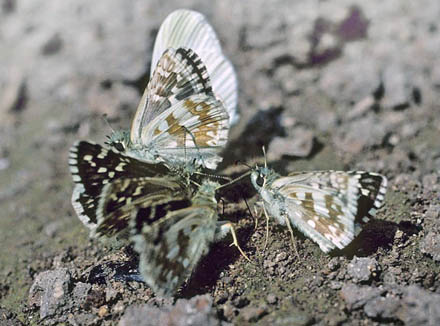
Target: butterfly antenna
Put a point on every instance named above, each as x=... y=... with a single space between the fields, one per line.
x=265 y=157
x=213 y=176
x=235 y=180
x=104 y=117
x=184 y=143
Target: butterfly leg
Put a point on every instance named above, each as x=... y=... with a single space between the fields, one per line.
x=194 y=141
x=291 y=235
x=224 y=227
x=267 y=227
x=258 y=211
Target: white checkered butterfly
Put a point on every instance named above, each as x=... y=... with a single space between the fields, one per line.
x=186 y=110
x=329 y=207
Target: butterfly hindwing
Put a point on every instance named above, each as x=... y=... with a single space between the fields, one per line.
x=171 y=247
x=179 y=74
x=190 y=29
x=148 y=197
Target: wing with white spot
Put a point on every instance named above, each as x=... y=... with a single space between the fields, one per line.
x=330 y=206
x=190 y=29
x=93 y=166
x=147 y=198
x=194 y=128
x=179 y=74
x=170 y=248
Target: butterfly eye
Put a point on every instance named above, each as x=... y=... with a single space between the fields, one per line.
x=260 y=180
x=119 y=146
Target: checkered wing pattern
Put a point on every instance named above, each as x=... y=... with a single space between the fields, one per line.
x=330 y=206
x=190 y=29
x=170 y=248
x=147 y=199
x=179 y=114
x=92 y=167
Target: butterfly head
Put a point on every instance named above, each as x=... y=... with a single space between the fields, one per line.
x=119 y=140
x=261 y=176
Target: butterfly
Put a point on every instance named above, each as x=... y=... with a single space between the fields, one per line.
x=191 y=100
x=170 y=247
x=329 y=207
x=179 y=119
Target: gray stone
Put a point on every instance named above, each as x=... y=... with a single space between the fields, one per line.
x=80 y=292
x=253 y=313
x=430 y=245
x=362 y=269
x=49 y=291
x=382 y=307
x=292 y=317
x=299 y=142
x=195 y=311
x=360 y=134
x=357 y=296
x=419 y=307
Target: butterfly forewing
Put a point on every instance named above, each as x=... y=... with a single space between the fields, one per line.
x=93 y=166
x=329 y=206
x=196 y=127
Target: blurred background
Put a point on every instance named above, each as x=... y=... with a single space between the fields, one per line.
x=323 y=84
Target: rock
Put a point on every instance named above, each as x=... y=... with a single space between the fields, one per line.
x=52 y=228
x=430 y=245
x=299 y=143
x=49 y=291
x=292 y=317
x=333 y=264
x=83 y=318
x=271 y=298
x=14 y=96
x=360 y=134
x=395 y=80
x=362 y=269
x=382 y=307
x=431 y=181
x=196 y=311
x=419 y=307
x=357 y=296
x=4 y=163
x=252 y=313
x=81 y=292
